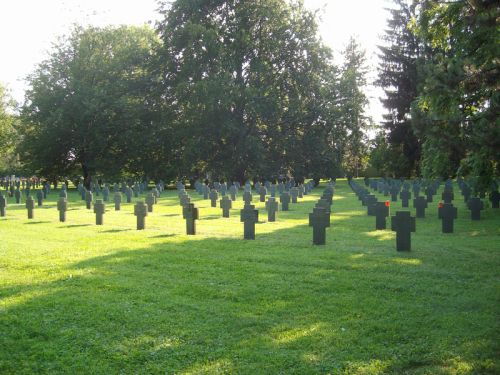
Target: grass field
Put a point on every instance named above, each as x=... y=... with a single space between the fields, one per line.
x=77 y=298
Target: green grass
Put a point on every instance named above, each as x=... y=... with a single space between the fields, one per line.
x=78 y=298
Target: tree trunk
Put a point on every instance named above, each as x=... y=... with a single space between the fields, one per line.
x=86 y=176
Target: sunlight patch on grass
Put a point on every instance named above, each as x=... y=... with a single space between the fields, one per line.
x=381 y=235
x=217 y=367
x=296 y=333
x=311 y=357
x=357 y=256
x=458 y=366
x=374 y=367
x=413 y=262
x=148 y=343
x=21 y=299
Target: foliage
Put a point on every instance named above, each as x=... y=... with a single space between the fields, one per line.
x=8 y=134
x=88 y=101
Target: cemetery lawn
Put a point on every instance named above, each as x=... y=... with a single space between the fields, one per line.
x=77 y=298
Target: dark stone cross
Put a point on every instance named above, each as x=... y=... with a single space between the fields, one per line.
x=429 y=192
x=319 y=219
x=466 y=192
x=150 y=201
x=99 y=210
x=262 y=193
x=63 y=193
x=475 y=206
x=3 y=205
x=285 y=201
x=62 y=207
x=30 y=206
x=247 y=197
x=118 y=200
x=39 y=197
x=249 y=216
x=17 y=195
x=232 y=192
x=394 y=193
x=325 y=204
x=405 y=196
x=294 y=193
x=371 y=202
x=88 y=199
x=226 y=204
x=105 y=193
x=447 y=196
x=301 y=191
x=184 y=200
x=272 y=206
x=190 y=213
x=128 y=194
x=214 y=195
x=381 y=212
x=495 y=199
x=447 y=213
x=206 y=191
x=141 y=211
x=420 y=204
x=403 y=224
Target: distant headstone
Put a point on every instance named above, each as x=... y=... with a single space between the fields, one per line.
x=226 y=204
x=475 y=206
x=285 y=201
x=99 y=210
x=403 y=224
x=494 y=199
x=118 y=200
x=3 y=205
x=294 y=193
x=141 y=211
x=319 y=219
x=447 y=196
x=128 y=194
x=381 y=212
x=420 y=204
x=30 y=206
x=233 y=191
x=394 y=193
x=190 y=213
x=247 y=197
x=88 y=199
x=206 y=191
x=63 y=194
x=214 y=196
x=447 y=213
x=39 y=197
x=262 y=193
x=150 y=201
x=405 y=196
x=249 y=216
x=105 y=194
x=62 y=207
x=272 y=207
x=17 y=195
x=429 y=193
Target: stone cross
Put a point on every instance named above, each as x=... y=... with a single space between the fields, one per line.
x=105 y=193
x=447 y=196
x=39 y=197
x=447 y=213
x=118 y=200
x=420 y=204
x=495 y=199
x=30 y=206
x=429 y=192
x=190 y=213
x=247 y=197
x=272 y=206
x=325 y=204
x=99 y=210
x=63 y=193
x=62 y=207
x=301 y=191
x=226 y=204
x=88 y=199
x=185 y=199
x=381 y=212
x=319 y=219
x=475 y=206
x=294 y=192
x=233 y=191
x=141 y=211
x=3 y=205
x=394 y=193
x=128 y=194
x=249 y=216
x=285 y=201
x=405 y=196
x=206 y=191
x=403 y=224
x=214 y=195
x=262 y=193
x=17 y=195
x=150 y=201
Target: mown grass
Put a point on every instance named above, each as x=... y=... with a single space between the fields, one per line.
x=78 y=298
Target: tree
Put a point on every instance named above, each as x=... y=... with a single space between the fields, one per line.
x=248 y=81
x=401 y=59
x=90 y=105
x=8 y=133
x=352 y=102
x=460 y=94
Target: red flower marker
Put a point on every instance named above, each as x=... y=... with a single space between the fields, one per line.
x=440 y=205
x=387 y=203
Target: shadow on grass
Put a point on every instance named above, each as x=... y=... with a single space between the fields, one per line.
x=37 y=222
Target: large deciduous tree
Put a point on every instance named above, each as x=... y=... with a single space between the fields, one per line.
x=89 y=106
x=251 y=85
x=8 y=133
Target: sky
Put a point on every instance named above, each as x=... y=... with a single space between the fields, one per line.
x=28 y=28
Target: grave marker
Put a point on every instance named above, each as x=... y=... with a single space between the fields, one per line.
x=319 y=219
x=190 y=213
x=381 y=212
x=447 y=213
x=272 y=206
x=30 y=206
x=249 y=216
x=88 y=199
x=420 y=204
x=99 y=210
x=118 y=200
x=226 y=204
x=141 y=211
x=62 y=207
x=214 y=195
x=475 y=206
x=403 y=224
x=150 y=201
x=285 y=201
x=405 y=196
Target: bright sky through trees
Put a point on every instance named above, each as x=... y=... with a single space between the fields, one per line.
x=28 y=27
